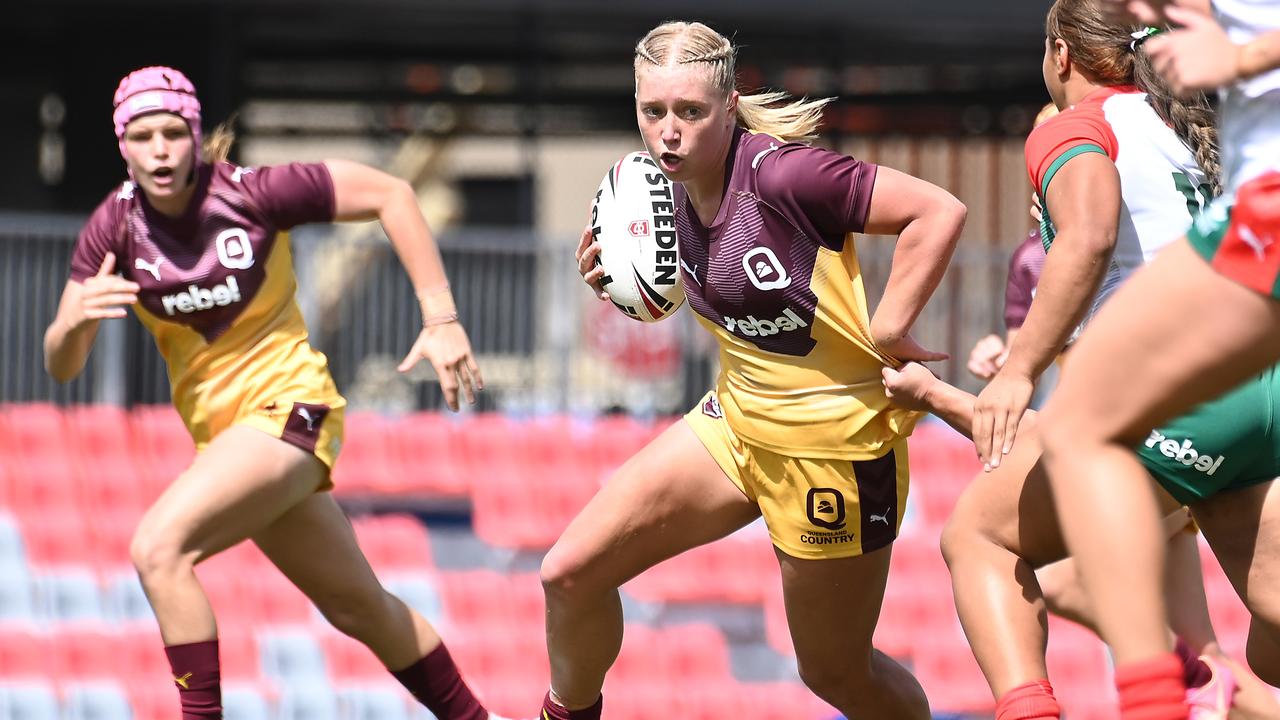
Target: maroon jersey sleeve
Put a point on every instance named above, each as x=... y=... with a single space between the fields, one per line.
x=832 y=191
x=293 y=194
x=103 y=233
x=1024 y=273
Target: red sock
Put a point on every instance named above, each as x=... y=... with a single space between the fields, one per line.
x=1195 y=673
x=1032 y=701
x=553 y=711
x=1152 y=689
x=435 y=682
x=196 y=673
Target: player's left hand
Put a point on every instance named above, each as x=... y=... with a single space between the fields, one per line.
x=1198 y=56
x=908 y=387
x=448 y=350
x=906 y=349
x=997 y=414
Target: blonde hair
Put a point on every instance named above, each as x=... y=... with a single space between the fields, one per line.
x=771 y=112
x=1048 y=111
x=216 y=147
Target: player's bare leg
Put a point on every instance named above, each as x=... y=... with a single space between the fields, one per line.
x=670 y=497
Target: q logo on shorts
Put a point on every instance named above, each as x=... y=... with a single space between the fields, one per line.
x=825 y=507
x=765 y=270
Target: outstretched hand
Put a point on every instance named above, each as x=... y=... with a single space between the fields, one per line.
x=105 y=294
x=448 y=350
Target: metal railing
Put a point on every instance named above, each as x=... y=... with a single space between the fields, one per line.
x=543 y=342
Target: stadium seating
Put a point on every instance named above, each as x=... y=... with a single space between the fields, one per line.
x=78 y=640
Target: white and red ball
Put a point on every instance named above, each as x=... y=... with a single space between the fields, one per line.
x=633 y=219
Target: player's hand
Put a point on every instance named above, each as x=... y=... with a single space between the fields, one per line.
x=1198 y=56
x=591 y=271
x=997 y=413
x=908 y=387
x=106 y=294
x=1037 y=208
x=987 y=357
x=1134 y=12
x=906 y=349
x=448 y=350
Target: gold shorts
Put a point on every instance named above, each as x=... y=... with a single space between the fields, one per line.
x=315 y=427
x=815 y=508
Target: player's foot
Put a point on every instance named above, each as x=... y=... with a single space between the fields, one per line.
x=1213 y=700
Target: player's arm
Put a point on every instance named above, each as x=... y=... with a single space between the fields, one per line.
x=1084 y=201
x=364 y=193
x=70 y=336
x=928 y=221
x=913 y=387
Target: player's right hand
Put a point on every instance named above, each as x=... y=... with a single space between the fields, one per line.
x=106 y=294
x=908 y=387
x=987 y=356
x=591 y=271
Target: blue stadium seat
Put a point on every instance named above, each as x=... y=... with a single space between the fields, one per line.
x=308 y=701
x=123 y=598
x=68 y=595
x=418 y=591
x=15 y=593
x=96 y=701
x=244 y=702
x=290 y=655
x=28 y=701
x=12 y=551
x=374 y=702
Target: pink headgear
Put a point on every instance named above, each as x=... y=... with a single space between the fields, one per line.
x=156 y=89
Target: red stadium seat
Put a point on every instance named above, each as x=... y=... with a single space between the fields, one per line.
x=348 y=660
x=364 y=465
x=25 y=653
x=523 y=506
x=35 y=429
x=485 y=599
x=394 y=542
x=427 y=456
x=43 y=483
x=238 y=651
x=1078 y=665
x=163 y=448
x=99 y=430
x=88 y=654
x=110 y=533
x=947 y=670
x=57 y=537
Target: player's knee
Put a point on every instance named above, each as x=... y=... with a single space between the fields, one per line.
x=355 y=612
x=958 y=535
x=156 y=553
x=1263 y=651
x=563 y=573
x=838 y=681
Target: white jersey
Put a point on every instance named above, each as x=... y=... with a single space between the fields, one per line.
x=1162 y=187
x=1250 y=109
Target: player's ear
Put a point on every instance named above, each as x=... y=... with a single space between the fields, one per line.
x=1061 y=56
x=731 y=106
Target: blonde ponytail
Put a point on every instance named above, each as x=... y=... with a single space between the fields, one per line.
x=769 y=112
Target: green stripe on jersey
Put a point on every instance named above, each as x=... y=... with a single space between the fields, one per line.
x=1062 y=160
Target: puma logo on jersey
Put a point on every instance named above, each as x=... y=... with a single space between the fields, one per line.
x=126 y=191
x=240 y=172
x=307 y=418
x=881 y=518
x=1259 y=244
x=1184 y=452
x=755 y=161
x=198 y=298
x=693 y=271
x=755 y=327
x=152 y=267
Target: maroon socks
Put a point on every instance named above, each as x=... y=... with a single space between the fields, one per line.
x=1195 y=673
x=552 y=711
x=435 y=682
x=195 y=672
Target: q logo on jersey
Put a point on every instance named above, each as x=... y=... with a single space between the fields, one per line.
x=234 y=250
x=765 y=270
x=825 y=507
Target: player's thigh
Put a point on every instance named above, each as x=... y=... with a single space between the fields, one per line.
x=832 y=608
x=1176 y=334
x=1243 y=528
x=314 y=545
x=669 y=497
x=239 y=484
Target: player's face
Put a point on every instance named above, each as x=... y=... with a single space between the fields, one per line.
x=160 y=152
x=686 y=123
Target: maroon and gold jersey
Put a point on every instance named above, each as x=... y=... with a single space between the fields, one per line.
x=217 y=292
x=775 y=278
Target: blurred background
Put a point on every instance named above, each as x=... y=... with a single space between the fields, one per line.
x=504 y=115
